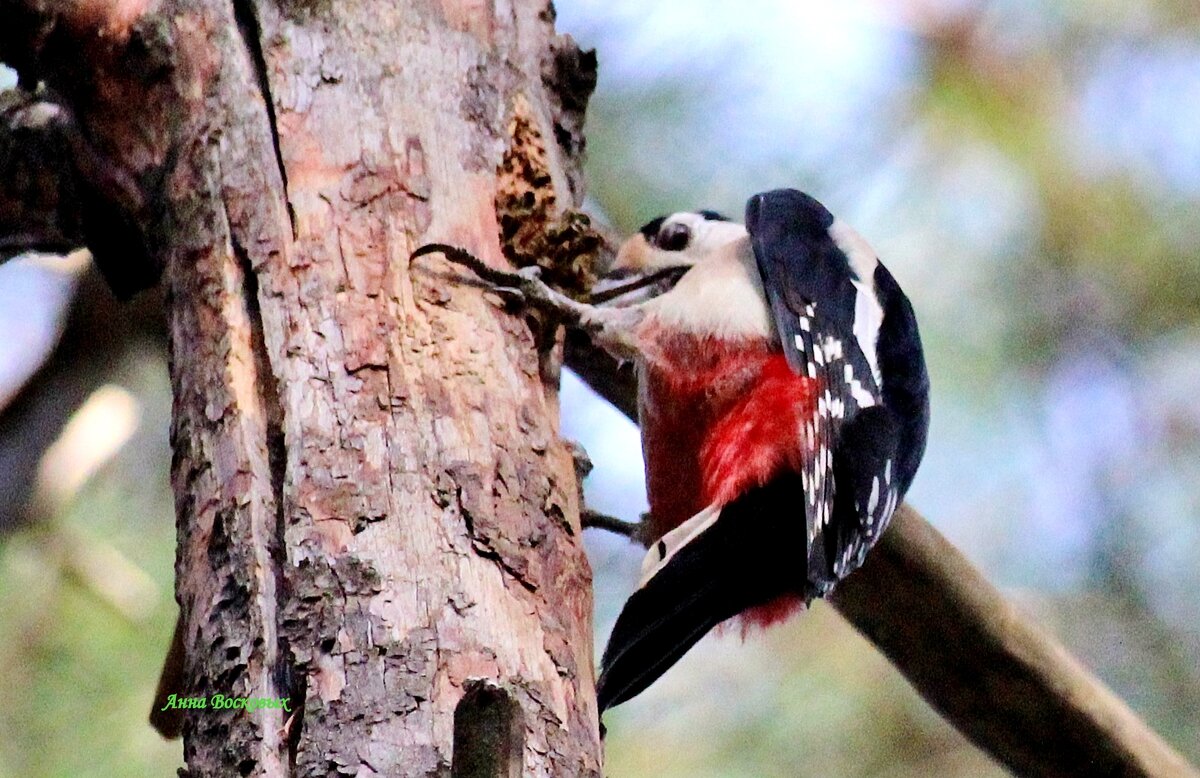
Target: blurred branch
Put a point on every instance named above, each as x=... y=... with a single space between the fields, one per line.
x=39 y=209
x=1003 y=681
x=101 y=570
x=592 y=519
x=98 y=333
x=1011 y=688
x=58 y=192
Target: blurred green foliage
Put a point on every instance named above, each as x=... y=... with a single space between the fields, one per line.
x=79 y=669
x=1031 y=173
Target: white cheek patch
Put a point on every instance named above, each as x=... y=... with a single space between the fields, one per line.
x=721 y=296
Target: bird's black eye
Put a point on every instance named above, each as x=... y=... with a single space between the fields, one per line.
x=673 y=237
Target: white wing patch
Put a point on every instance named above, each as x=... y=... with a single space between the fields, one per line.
x=868 y=318
x=863 y=259
x=868 y=313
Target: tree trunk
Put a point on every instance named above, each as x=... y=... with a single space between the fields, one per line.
x=376 y=516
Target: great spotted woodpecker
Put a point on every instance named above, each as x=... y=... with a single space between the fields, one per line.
x=784 y=407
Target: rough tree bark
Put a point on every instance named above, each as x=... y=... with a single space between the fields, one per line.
x=376 y=517
x=375 y=512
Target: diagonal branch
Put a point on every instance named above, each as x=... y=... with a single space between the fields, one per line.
x=1004 y=682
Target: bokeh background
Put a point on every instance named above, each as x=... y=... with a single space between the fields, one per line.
x=1030 y=172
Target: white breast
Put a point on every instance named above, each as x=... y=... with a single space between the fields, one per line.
x=721 y=296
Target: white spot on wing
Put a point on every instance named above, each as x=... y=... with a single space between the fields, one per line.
x=860 y=395
x=833 y=348
x=868 y=314
x=868 y=318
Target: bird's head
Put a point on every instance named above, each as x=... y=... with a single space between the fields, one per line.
x=679 y=240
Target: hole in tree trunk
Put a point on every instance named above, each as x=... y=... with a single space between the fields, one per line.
x=488 y=734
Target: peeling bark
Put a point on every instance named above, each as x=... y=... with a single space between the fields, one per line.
x=376 y=517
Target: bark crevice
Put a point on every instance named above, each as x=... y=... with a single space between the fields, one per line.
x=276 y=447
x=250 y=32
x=272 y=558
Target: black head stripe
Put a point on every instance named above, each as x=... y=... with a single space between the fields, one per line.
x=651 y=228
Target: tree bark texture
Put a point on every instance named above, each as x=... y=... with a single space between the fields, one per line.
x=376 y=517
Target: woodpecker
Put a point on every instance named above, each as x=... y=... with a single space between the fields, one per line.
x=784 y=409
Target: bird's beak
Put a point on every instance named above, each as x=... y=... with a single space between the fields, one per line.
x=634 y=270
x=633 y=258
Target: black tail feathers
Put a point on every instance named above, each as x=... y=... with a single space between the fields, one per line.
x=753 y=553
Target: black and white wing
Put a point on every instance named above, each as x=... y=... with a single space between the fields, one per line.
x=817 y=303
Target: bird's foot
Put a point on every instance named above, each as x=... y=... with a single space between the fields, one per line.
x=525 y=286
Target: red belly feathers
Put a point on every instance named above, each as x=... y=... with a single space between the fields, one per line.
x=739 y=407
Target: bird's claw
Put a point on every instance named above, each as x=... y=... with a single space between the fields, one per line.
x=535 y=289
x=459 y=256
x=510 y=294
x=524 y=286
